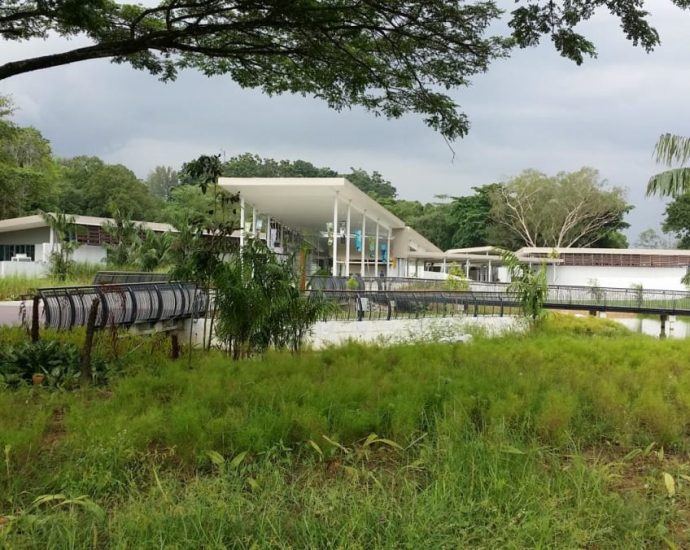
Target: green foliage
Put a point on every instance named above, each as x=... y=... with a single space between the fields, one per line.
x=259 y=303
x=569 y=209
x=248 y=165
x=457 y=280
x=561 y=435
x=677 y=220
x=161 y=181
x=372 y=184
x=64 y=230
x=530 y=286
x=91 y=187
x=58 y=362
x=671 y=149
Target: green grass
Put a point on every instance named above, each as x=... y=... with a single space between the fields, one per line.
x=17 y=287
x=555 y=439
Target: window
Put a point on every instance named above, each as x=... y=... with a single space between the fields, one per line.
x=7 y=251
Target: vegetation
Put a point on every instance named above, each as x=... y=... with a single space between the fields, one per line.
x=669 y=150
x=570 y=209
x=572 y=436
x=528 y=284
x=64 y=245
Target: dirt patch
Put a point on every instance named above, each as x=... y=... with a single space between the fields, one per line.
x=56 y=429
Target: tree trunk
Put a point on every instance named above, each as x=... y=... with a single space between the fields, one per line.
x=86 y=375
x=174 y=346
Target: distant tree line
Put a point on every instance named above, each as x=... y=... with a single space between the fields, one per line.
x=530 y=209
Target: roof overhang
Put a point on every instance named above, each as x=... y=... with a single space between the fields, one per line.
x=307 y=203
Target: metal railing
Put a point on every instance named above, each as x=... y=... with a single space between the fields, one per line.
x=396 y=304
x=128 y=277
x=121 y=304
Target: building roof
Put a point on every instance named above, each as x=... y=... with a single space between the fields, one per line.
x=34 y=221
x=306 y=204
x=527 y=251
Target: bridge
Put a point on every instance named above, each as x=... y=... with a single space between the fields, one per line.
x=155 y=301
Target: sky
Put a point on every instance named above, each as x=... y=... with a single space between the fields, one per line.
x=533 y=110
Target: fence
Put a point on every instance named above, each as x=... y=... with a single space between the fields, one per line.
x=121 y=304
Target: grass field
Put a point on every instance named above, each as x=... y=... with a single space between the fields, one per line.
x=574 y=436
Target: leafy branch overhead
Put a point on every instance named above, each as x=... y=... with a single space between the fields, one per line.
x=391 y=57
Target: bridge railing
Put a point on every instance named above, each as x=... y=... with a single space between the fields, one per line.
x=121 y=304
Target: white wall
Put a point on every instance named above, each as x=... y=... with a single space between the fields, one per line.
x=89 y=254
x=23 y=269
x=662 y=278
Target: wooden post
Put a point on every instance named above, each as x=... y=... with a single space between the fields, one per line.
x=35 y=319
x=86 y=374
x=174 y=346
x=662 y=333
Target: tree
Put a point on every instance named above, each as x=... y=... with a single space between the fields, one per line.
x=569 y=209
x=122 y=233
x=677 y=220
x=248 y=165
x=92 y=187
x=372 y=184
x=28 y=173
x=65 y=244
x=650 y=238
x=390 y=57
x=529 y=286
x=161 y=181
x=669 y=150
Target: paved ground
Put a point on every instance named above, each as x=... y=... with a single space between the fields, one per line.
x=9 y=312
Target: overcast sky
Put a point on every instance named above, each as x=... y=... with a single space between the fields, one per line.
x=534 y=110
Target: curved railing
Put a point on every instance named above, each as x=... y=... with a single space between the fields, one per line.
x=121 y=304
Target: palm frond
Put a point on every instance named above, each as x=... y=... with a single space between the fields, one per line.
x=670 y=183
x=672 y=149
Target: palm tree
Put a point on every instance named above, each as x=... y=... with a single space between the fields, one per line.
x=671 y=150
x=64 y=245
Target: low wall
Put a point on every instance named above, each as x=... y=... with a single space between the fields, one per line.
x=23 y=269
x=449 y=329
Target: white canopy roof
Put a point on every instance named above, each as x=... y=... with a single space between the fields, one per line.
x=307 y=203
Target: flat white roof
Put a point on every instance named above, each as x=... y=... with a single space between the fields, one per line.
x=526 y=251
x=307 y=203
x=36 y=220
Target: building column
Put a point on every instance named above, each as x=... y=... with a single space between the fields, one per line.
x=334 y=272
x=268 y=232
x=364 y=242
x=347 y=240
x=376 y=251
x=241 y=223
x=467 y=269
x=490 y=273
x=254 y=232
x=388 y=254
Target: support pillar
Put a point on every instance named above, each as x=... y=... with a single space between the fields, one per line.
x=254 y=231
x=376 y=251
x=242 y=229
x=334 y=271
x=269 y=244
x=388 y=254
x=467 y=269
x=363 y=269
x=347 y=240
x=662 y=333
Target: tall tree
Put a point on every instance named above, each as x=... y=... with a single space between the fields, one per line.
x=372 y=184
x=28 y=173
x=569 y=209
x=651 y=238
x=669 y=150
x=391 y=57
x=92 y=187
x=161 y=181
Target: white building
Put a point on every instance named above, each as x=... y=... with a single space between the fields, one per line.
x=335 y=218
x=614 y=267
x=27 y=242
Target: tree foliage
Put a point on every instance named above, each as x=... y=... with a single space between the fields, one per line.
x=391 y=57
x=677 y=220
x=248 y=165
x=569 y=209
x=92 y=187
x=529 y=285
x=64 y=229
x=161 y=181
x=669 y=150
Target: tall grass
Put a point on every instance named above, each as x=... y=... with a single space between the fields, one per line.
x=548 y=440
x=16 y=287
